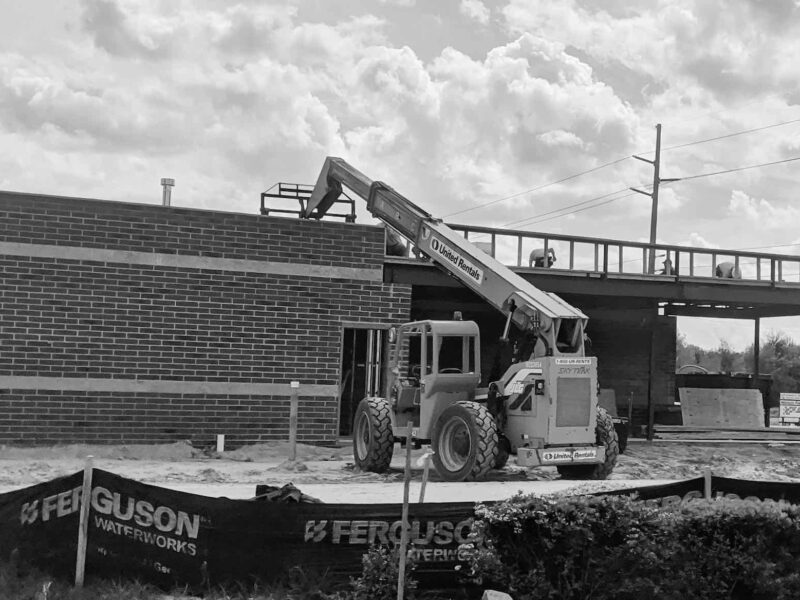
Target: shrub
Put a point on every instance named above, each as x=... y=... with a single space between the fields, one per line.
x=379 y=572
x=615 y=547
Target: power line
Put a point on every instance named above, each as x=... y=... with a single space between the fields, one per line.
x=619 y=160
x=722 y=137
x=729 y=135
x=536 y=189
x=582 y=209
x=535 y=219
x=529 y=220
x=777 y=162
x=565 y=207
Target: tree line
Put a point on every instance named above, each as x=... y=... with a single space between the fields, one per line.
x=779 y=357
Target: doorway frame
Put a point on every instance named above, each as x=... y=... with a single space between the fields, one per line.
x=345 y=325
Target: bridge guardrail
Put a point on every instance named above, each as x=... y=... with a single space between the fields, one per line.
x=609 y=257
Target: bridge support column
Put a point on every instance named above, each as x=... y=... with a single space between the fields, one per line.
x=757 y=346
x=651 y=402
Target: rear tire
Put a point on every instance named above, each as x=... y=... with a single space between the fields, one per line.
x=373 y=442
x=464 y=442
x=606 y=436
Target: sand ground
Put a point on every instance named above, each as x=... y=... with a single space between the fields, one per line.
x=329 y=473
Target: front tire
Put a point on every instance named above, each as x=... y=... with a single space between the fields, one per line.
x=464 y=442
x=606 y=436
x=373 y=441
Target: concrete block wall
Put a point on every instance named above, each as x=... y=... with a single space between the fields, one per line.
x=140 y=323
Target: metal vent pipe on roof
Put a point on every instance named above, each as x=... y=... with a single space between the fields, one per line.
x=167 y=184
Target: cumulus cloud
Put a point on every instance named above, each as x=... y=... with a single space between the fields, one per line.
x=475 y=10
x=761 y=211
x=252 y=93
x=707 y=43
x=698 y=241
x=124 y=31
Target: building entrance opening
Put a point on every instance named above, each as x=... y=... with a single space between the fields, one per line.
x=362 y=371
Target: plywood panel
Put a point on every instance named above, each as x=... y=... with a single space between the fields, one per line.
x=721 y=407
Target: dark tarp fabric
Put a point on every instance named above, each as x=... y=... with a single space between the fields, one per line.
x=271 y=538
x=148 y=532
x=167 y=537
x=762 y=490
x=41 y=523
x=664 y=494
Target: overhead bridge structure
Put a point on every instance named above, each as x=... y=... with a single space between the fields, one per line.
x=768 y=285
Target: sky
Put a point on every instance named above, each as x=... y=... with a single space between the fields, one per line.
x=481 y=112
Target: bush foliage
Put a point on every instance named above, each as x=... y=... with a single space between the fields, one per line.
x=612 y=547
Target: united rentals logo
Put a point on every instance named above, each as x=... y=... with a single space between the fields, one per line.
x=452 y=256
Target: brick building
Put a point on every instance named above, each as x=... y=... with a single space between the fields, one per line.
x=141 y=324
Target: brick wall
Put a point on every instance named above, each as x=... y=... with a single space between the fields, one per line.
x=196 y=306
x=621 y=339
x=64 y=417
x=31 y=218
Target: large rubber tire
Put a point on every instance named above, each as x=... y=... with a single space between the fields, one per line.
x=605 y=435
x=373 y=442
x=464 y=441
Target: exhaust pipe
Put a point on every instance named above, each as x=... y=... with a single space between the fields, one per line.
x=167 y=184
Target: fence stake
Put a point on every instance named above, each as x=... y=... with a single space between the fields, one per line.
x=83 y=523
x=293 y=402
x=427 y=468
x=707 y=483
x=401 y=571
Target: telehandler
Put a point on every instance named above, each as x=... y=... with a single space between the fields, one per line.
x=544 y=408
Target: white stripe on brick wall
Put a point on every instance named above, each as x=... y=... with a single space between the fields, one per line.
x=162 y=386
x=184 y=261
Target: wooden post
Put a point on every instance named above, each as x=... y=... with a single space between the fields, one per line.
x=707 y=483
x=293 y=402
x=651 y=388
x=401 y=571
x=83 y=523
x=630 y=409
x=757 y=347
x=427 y=468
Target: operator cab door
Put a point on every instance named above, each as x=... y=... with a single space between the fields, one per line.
x=435 y=368
x=412 y=363
x=451 y=373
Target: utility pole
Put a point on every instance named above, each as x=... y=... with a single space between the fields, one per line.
x=651 y=261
